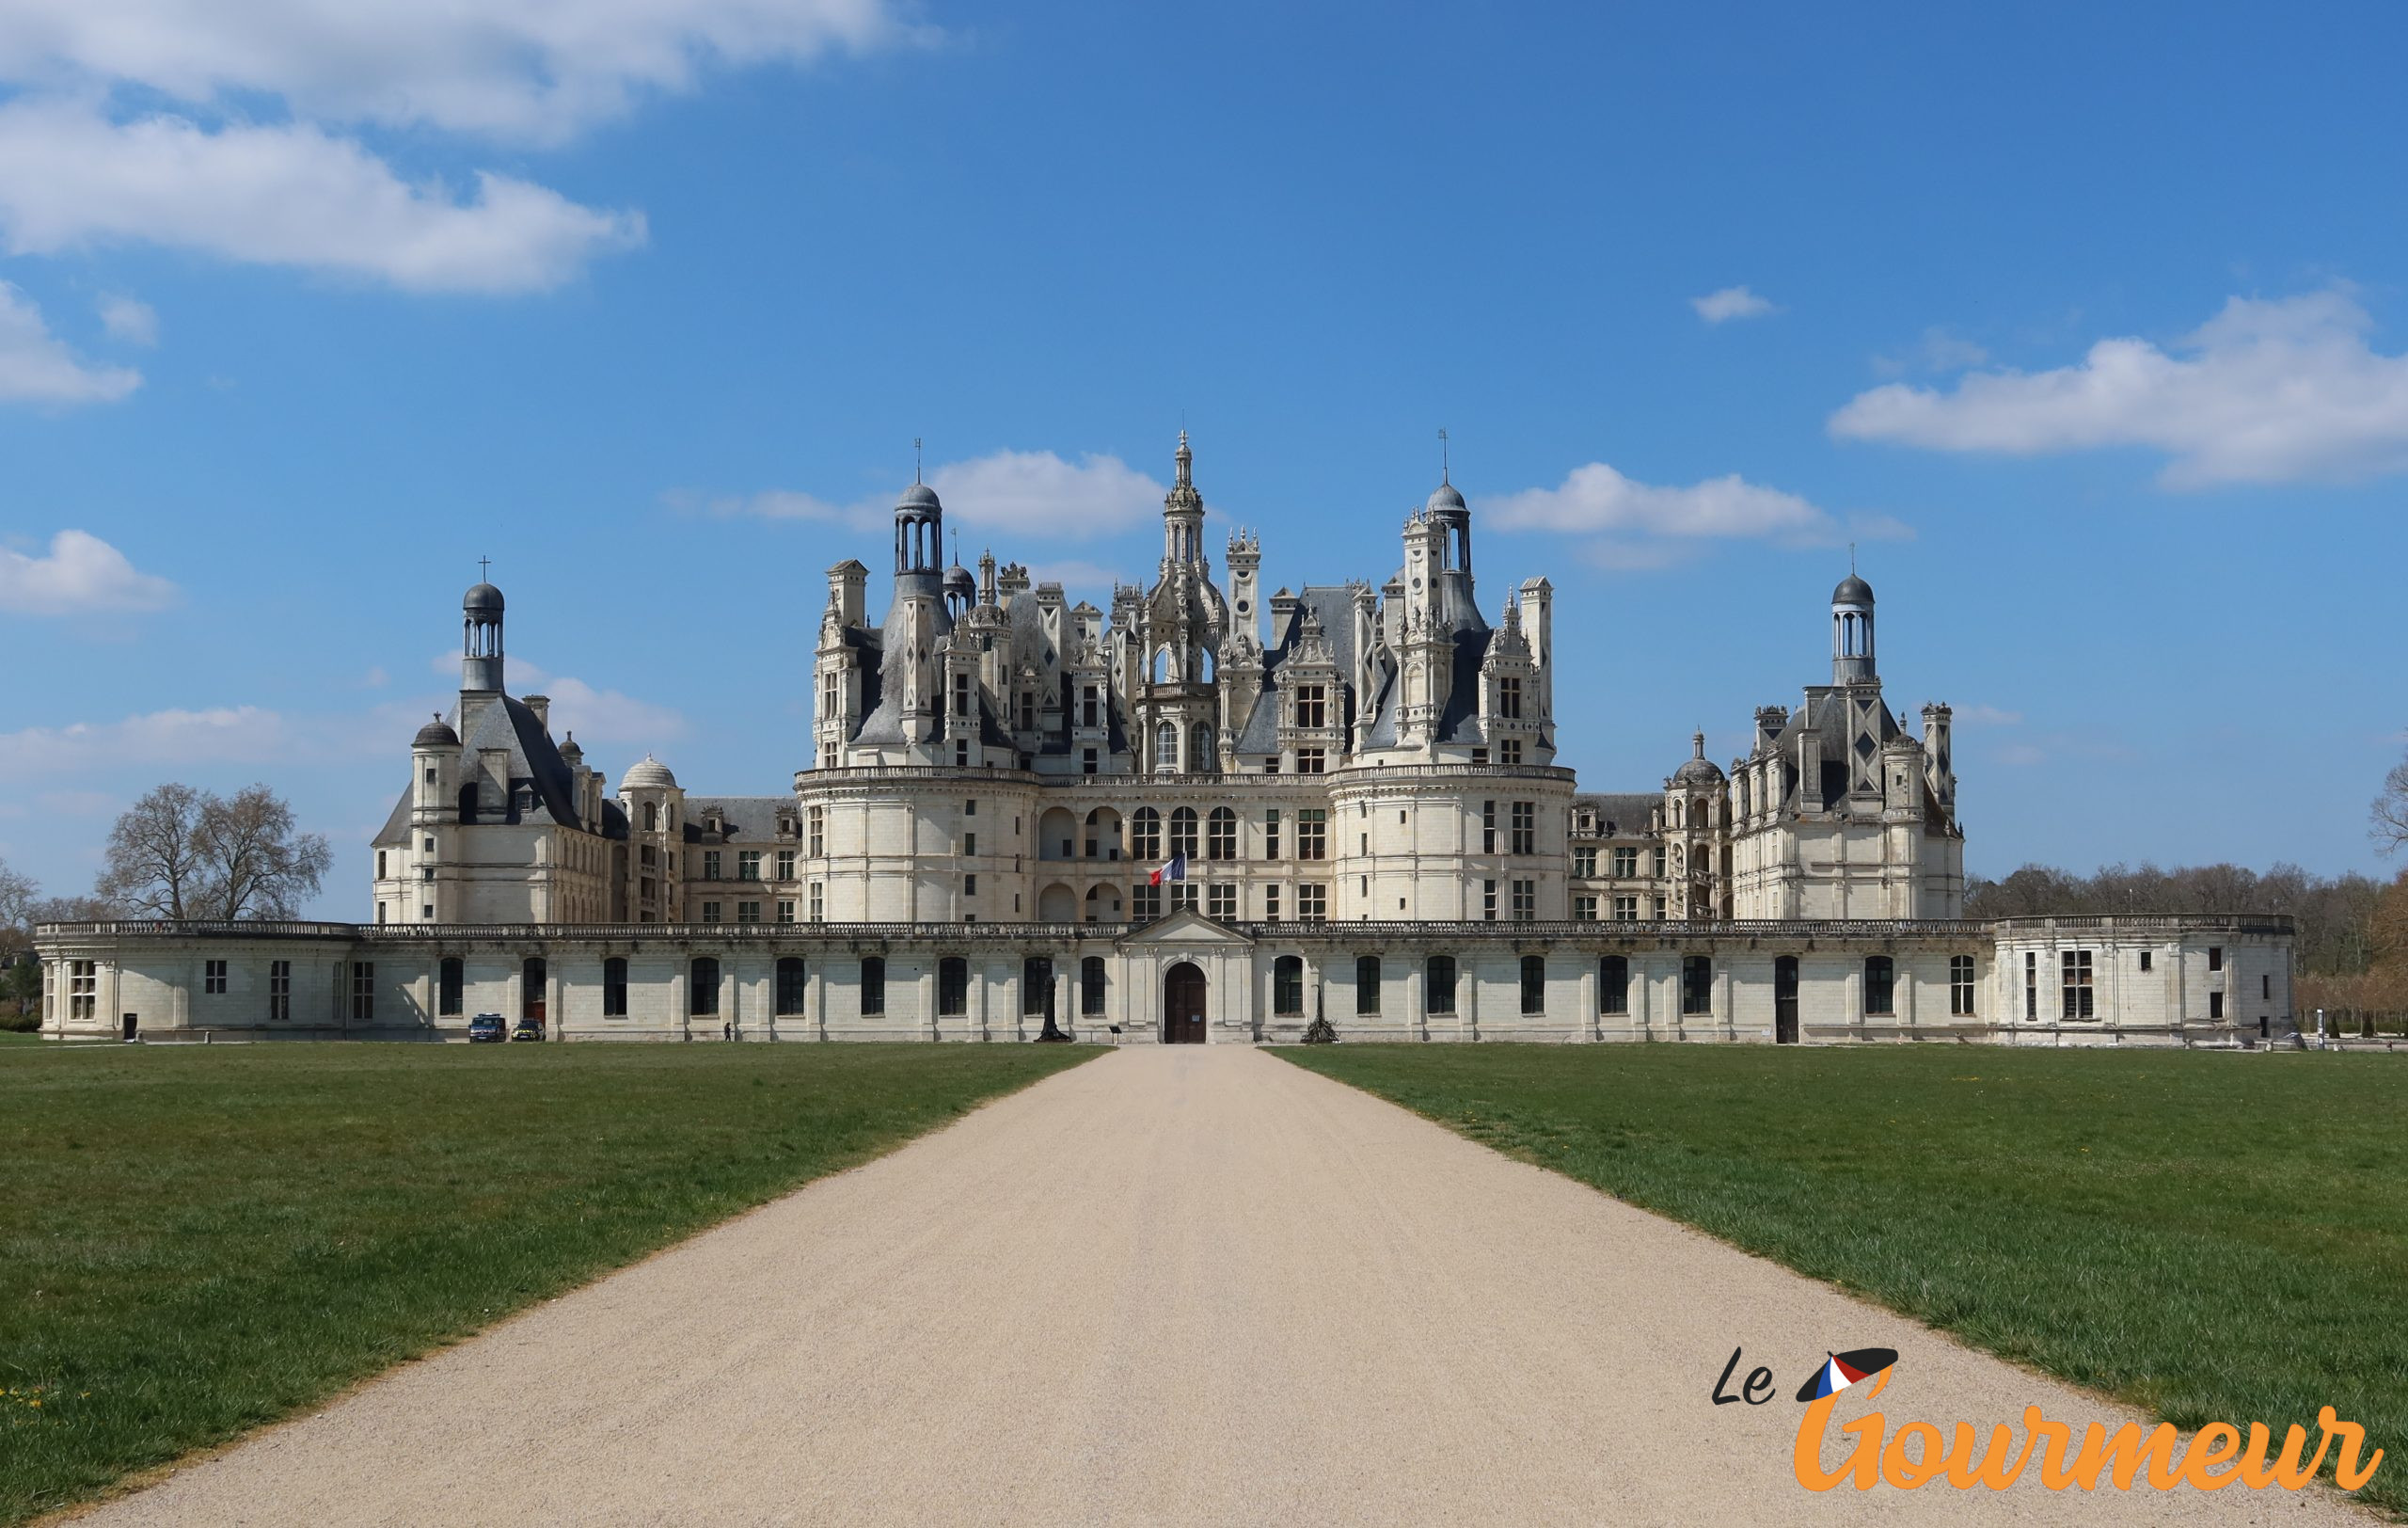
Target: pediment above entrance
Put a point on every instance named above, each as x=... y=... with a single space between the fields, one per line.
x=1185 y=927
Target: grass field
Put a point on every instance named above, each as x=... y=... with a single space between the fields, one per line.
x=197 y=1241
x=2216 y=1237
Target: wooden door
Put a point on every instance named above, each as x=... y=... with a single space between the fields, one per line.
x=1183 y=1006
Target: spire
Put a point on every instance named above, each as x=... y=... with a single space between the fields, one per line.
x=1186 y=460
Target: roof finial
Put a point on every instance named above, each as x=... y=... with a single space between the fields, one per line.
x=1697 y=740
x=1445 y=467
x=1851 y=559
x=483 y=564
x=915 y=458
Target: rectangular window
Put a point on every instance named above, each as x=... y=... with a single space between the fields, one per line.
x=2215 y=957
x=1438 y=985
x=1086 y=761
x=786 y=864
x=1525 y=827
x=213 y=978
x=1585 y=909
x=1311 y=761
x=1697 y=985
x=953 y=988
x=2031 y=986
x=961 y=694
x=1367 y=984
x=1960 y=986
x=1509 y=698
x=1510 y=751
x=1312 y=706
x=279 y=989
x=1880 y=984
x=710 y=912
x=1584 y=863
x=1488 y=901
x=2266 y=987
x=1626 y=909
x=1090 y=710
x=748 y=912
x=1480 y=755
x=1145 y=903
x=2145 y=959
x=1028 y=710
x=1271 y=904
x=450 y=984
x=1270 y=833
x=748 y=865
x=1313 y=833
x=969 y=844
x=818 y=902
x=1659 y=863
x=1613 y=984
x=818 y=830
x=1533 y=984
x=970 y=806
x=1312 y=902
x=363 y=991
x=2075 y=967
x=1182 y=895
x=785 y=911
x=1526 y=901
x=1488 y=827
x=426 y=872
x=1288 y=986
x=1627 y=864
x=1221 y=901
x=962 y=752
x=614 y=988
x=2215 y=1005
x=710 y=864
x=84 y=988
x=970 y=886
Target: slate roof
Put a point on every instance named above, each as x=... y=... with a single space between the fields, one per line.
x=1620 y=815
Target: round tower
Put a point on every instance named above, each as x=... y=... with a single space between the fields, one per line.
x=1852 y=632
x=480 y=640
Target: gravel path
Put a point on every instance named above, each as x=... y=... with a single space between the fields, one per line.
x=1175 y=1285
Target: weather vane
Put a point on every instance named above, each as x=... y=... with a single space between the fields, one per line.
x=915 y=458
x=1445 y=467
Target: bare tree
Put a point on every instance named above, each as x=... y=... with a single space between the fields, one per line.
x=254 y=864
x=17 y=894
x=154 y=864
x=2391 y=810
x=184 y=854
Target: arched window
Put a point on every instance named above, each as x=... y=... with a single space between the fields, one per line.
x=702 y=995
x=1182 y=831
x=1146 y=835
x=1165 y=748
x=1091 y=987
x=1162 y=665
x=1288 y=985
x=953 y=987
x=1533 y=983
x=1221 y=834
x=874 y=984
x=791 y=987
x=614 y=988
x=449 y=988
x=1697 y=814
x=1036 y=984
x=1202 y=754
x=468 y=801
x=651 y=816
x=1366 y=983
x=1613 y=984
x=1880 y=984
x=1438 y=985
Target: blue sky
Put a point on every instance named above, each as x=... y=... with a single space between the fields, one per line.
x=2085 y=324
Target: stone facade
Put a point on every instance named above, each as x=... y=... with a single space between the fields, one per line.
x=2121 y=981
x=1256 y=791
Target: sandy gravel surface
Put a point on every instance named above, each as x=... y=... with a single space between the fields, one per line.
x=1175 y=1285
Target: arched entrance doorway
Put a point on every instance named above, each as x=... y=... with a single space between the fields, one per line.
x=1184 y=1005
x=1785 y=1001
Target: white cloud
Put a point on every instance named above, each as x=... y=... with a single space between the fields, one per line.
x=289 y=195
x=82 y=575
x=2272 y=391
x=225 y=734
x=1937 y=350
x=1986 y=716
x=1596 y=498
x=35 y=368
x=598 y=715
x=129 y=319
x=531 y=73
x=1023 y=493
x=1730 y=303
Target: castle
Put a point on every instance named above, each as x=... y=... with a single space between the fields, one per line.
x=1196 y=809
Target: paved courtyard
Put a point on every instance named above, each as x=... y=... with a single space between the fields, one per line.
x=1178 y=1284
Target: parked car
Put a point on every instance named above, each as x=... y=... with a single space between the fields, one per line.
x=487 y=1027
x=526 y=1029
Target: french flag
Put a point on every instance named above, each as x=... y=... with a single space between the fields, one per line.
x=1174 y=870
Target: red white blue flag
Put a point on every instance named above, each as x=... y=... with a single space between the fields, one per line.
x=1175 y=868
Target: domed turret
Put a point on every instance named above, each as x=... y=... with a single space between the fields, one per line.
x=435 y=734
x=480 y=640
x=481 y=599
x=919 y=529
x=648 y=774
x=1852 y=632
x=1445 y=496
x=1852 y=591
x=1699 y=770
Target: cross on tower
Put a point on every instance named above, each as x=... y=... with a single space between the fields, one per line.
x=484 y=564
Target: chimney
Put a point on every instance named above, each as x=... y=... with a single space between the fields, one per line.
x=542 y=707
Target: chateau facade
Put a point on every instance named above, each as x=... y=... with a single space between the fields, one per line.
x=1053 y=792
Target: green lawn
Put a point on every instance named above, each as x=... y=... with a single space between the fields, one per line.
x=2214 y=1236
x=196 y=1241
